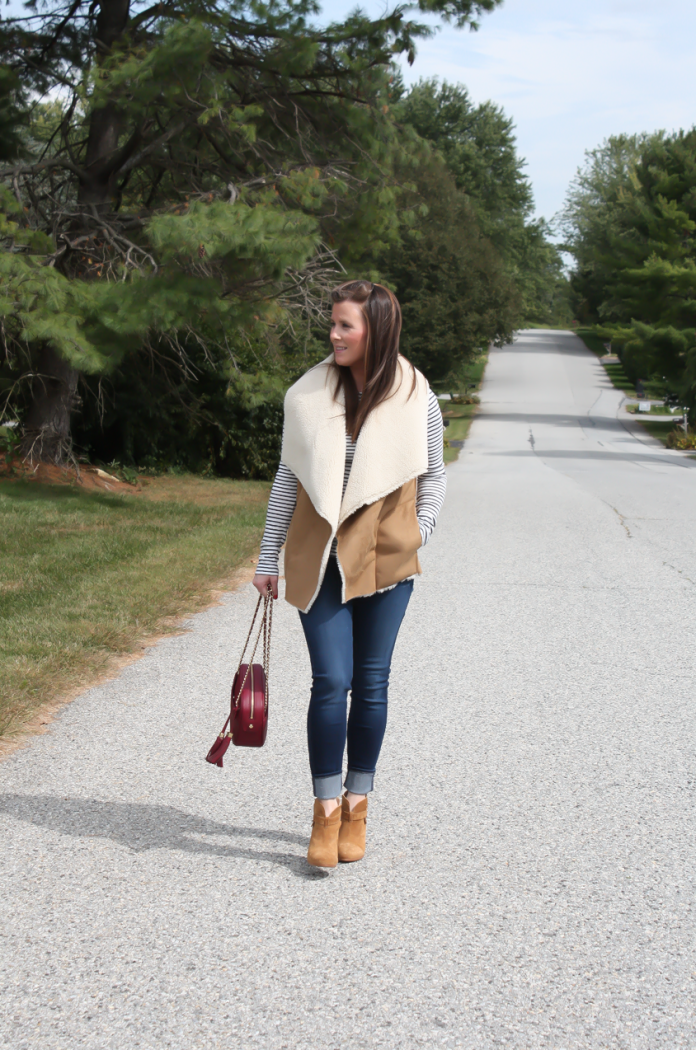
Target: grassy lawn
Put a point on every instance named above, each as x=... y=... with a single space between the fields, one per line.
x=657 y=430
x=475 y=369
x=467 y=381
x=460 y=417
x=530 y=326
x=84 y=576
x=616 y=373
x=592 y=341
x=469 y=375
x=620 y=380
x=656 y=410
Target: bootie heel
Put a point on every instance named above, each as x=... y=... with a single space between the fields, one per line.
x=323 y=845
x=351 y=838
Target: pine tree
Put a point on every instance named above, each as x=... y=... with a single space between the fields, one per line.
x=199 y=165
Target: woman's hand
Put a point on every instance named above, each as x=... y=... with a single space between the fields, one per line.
x=261 y=583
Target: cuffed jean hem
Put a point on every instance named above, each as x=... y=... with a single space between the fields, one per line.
x=327 y=787
x=359 y=783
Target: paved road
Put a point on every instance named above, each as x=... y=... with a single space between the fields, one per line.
x=530 y=880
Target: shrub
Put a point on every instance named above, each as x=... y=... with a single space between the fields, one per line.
x=679 y=440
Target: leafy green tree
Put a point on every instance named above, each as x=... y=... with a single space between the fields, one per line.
x=633 y=231
x=208 y=164
x=455 y=294
x=478 y=145
x=589 y=221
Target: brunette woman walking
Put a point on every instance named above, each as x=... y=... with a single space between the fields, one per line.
x=359 y=488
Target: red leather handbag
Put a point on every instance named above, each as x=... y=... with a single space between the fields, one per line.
x=247 y=722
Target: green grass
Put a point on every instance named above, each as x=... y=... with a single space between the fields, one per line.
x=461 y=418
x=467 y=380
x=616 y=373
x=471 y=372
x=620 y=380
x=657 y=430
x=85 y=576
x=548 y=327
x=592 y=341
x=655 y=410
x=475 y=370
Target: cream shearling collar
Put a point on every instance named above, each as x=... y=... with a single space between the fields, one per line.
x=392 y=447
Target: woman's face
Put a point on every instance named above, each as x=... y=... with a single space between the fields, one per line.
x=348 y=334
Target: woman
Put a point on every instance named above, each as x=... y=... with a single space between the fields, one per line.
x=359 y=488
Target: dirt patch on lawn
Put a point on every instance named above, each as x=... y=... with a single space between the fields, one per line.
x=91 y=479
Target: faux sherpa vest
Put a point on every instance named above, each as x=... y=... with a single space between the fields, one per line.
x=375 y=520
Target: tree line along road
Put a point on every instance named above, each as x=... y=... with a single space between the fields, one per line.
x=529 y=876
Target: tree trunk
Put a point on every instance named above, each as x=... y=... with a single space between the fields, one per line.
x=104 y=124
x=47 y=428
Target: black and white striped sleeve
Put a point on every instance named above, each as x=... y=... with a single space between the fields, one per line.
x=432 y=485
x=281 y=506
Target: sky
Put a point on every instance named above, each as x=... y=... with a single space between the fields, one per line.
x=569 y=73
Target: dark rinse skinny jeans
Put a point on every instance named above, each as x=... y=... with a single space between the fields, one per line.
x=350 y=647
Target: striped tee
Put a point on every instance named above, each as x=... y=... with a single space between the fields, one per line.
x=430 y=494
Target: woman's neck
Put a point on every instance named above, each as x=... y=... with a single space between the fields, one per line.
x=358 y=373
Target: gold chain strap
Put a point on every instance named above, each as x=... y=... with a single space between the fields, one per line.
x=265 y=628
x=267 y=624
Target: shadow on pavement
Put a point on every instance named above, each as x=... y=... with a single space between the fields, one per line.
x=141 y=827
x=541 y=417
x=627 y=457
x=556 y=343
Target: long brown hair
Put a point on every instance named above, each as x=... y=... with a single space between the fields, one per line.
x=382 y=313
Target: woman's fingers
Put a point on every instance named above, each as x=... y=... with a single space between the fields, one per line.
x=261 y=582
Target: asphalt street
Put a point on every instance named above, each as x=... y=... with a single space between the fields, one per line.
x=530 y=872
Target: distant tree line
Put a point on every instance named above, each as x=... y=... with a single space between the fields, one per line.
x=630 y=222
x=181 y=183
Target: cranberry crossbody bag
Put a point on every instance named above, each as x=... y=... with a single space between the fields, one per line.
x=247 y=721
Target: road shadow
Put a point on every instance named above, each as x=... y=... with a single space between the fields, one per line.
x=621 y=457
x=486 y=416
x=142 y=826
x=550 y=343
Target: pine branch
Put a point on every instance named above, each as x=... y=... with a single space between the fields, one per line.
x=56 y=163
x=136 y=160
x=59 y=29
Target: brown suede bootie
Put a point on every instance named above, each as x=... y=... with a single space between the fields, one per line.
x=351 y=839
x=323 y=845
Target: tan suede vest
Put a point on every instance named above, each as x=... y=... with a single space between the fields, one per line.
x=376 y=546
x=375 y=521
